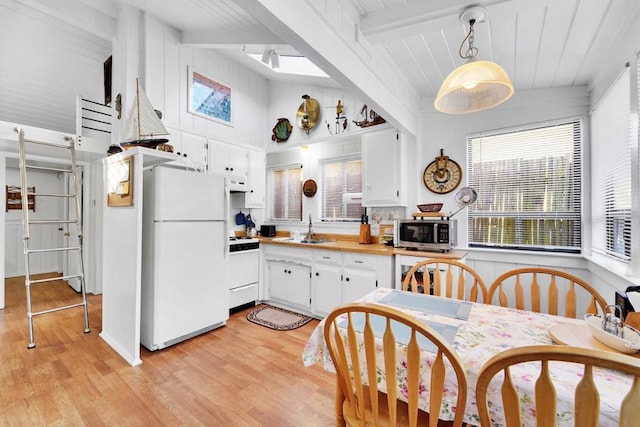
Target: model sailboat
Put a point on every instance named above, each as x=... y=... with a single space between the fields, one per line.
x=143 y=126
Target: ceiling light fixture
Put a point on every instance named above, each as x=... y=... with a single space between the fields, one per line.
x=476 y=85
x=266 y=56
x=270 y=56
x=275 y=60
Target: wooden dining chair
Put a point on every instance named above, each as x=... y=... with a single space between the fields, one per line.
x=529 y=280
x=361 y=339
x=456 y=280
x=587 y=398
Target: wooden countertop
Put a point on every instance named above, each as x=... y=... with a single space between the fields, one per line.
x=354 y=246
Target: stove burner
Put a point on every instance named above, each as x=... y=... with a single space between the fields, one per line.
x=241 y=243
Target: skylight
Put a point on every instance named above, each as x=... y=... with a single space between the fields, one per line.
x=293 y=65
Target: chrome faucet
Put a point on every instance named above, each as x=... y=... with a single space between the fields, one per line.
x=611 y=322
x=310 y=233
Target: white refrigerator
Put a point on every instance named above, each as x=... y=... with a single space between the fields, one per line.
x=184 y=268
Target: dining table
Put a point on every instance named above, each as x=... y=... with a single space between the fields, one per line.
x=476 y=332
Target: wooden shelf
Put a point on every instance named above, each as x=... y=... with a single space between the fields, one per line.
x=14 y=198
x=429 y=214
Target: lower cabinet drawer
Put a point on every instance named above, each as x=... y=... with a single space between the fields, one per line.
x=243 y=295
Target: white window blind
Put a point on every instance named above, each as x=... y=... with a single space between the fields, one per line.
x=285 y=193
x=339 y=177
x=528 y=184
x=611 y=171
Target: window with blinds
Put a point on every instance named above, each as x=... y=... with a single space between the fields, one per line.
x=528 y=184
x=285 y=191
x=340 y=177
x=611 y=142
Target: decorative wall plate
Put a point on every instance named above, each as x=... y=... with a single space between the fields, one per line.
x=442 y=175
x=308 y=114
x=282 y=130
x=309 y=188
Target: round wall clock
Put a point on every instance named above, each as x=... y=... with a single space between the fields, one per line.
x=309 y=188
x=442 y=175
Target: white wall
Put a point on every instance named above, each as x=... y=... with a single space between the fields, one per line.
x=42 y=236
x=450 y=132
x=166 y=63
x=44 y=64
x=3 y=182
x=286 y=98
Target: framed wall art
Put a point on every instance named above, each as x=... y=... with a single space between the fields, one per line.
x=120 y=183
x=209 y=98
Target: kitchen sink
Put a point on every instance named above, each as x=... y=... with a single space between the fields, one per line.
x=308 y=241
x=313 y=241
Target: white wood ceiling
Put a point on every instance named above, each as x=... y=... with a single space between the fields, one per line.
x=540 y=43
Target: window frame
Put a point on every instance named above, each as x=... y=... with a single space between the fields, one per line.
x=270 y=191
x=520 y=216
x=322 y=187
x=612 y=225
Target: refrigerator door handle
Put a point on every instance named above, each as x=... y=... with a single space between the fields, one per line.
x=227 y=205
x=225 y=242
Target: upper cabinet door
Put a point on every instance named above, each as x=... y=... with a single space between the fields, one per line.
x=256 y=178
x=382 y=183
x=194 y=150
x=227 y=159
x=237 y=161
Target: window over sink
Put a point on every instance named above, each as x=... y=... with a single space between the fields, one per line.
x=285 y=193
x=341 y=177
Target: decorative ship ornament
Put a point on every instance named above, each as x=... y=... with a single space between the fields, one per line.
x=367 y=114
x=341 y=121
x=143 y=125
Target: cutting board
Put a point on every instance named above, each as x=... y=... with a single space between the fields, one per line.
x=579 y=336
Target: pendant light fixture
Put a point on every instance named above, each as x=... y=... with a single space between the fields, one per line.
x=476 y=85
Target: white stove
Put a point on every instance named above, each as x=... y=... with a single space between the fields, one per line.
x=239 y=244
x=244 y=271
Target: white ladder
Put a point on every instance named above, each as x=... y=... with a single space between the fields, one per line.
x=26 y=224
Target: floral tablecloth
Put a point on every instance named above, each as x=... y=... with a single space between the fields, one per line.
x=488 y=331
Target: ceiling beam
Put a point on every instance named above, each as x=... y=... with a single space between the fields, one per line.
x=314 y=37
x=417 y=18
x=219 y=39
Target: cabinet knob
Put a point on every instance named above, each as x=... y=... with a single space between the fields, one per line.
x=227 y=168
x=251 y=191
x=230 y=168
x=184 y=155
x=317 y=274
x=347 y=279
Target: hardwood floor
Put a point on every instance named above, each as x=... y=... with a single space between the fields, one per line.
x=239 y=375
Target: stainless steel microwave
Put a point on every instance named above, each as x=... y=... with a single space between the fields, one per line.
x=426 y=234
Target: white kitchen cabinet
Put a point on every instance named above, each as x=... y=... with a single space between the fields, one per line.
x=357 y=283
x=290 y=282
x=324 y=279
x=256 y=180
x=362 y=273
x=227 y=159
x=326 y=282
x=384 y=181
x=191 y=149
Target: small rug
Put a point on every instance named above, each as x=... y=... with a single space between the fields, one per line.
x=277 y=318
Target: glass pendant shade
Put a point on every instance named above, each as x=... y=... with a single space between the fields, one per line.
x=474 y=86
